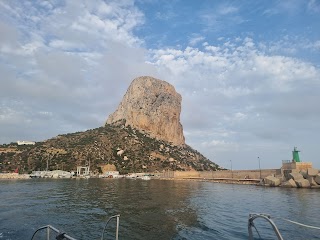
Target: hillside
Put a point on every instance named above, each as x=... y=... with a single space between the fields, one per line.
x=128 y=149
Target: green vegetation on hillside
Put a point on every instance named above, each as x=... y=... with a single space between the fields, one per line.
x=101 y=146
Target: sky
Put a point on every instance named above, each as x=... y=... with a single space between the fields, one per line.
x=248 y=71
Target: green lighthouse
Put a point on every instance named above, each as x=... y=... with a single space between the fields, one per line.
x=295 y=155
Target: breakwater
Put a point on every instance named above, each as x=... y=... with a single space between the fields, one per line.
x=224 y=174
x=14 y=176
x=235 y=174
x=294 y=178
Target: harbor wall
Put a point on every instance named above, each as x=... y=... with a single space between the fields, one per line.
x=296 y=165
x=237 y=174
x=14 y=176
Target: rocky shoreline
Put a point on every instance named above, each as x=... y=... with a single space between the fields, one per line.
x=309 y=178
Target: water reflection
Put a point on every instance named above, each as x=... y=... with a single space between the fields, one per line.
x=149 y=209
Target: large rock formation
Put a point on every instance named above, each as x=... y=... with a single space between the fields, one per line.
x=153 y=106
x=150 y=106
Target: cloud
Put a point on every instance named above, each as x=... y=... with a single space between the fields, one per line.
x=225 y=10
x=313 y=6
x=8 y=34
x=196 y=39
x=65 y=45
x=285 y=7
x=220 y=17
x=235 y=68
x=242 y=87
x=68 y=64
x=221 y=145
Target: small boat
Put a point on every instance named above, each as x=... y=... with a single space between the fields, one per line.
x=131 y=176
x=145 y=177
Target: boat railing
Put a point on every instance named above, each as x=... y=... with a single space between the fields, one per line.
x=50 y=231
x=251 y=225
x=117 y=217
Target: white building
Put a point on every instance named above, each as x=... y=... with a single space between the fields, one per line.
x=108 y=174
x=25 y=143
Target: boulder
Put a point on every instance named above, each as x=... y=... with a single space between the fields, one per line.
x=312 y=181
x=312 y=172
x=317 y=178
x=302 y=183
x=289 y=184
x=272 y=181
x=304 y=173
x=295 y=176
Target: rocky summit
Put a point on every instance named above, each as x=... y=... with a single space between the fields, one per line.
x=152 y=106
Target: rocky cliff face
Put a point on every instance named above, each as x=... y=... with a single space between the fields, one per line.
x=153 y=106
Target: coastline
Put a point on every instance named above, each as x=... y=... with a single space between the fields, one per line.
x=218 y=180
x=14 y=176
x=256 y=182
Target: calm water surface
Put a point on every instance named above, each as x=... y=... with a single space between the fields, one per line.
x=154 y=209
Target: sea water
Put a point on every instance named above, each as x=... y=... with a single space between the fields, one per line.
x=154 y=209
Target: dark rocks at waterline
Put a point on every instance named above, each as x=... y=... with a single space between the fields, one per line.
x=317 y=179
x=289 y=184
x=303 y=183
x=309 y=178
